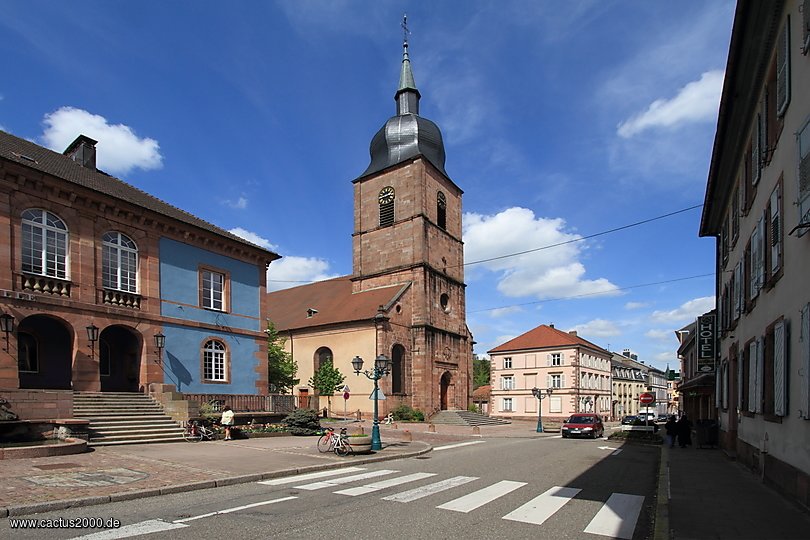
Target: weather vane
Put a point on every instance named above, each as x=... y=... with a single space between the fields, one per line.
x=405 y=30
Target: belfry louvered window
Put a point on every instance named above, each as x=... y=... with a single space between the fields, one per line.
x=386 y=199
x=441 y=210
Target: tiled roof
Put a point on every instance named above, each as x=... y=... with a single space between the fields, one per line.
x=544 y=337
x=61 y=166
x=333 y=302
x=482 y=392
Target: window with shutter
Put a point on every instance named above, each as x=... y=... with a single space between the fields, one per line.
x=780 y=361
x=759 y=376
x=725 y=375
x=735 y=216
x=736 y=290
x=805 y=26
x=803 y=174
x=755 y=249
x=775 y=224
x=761 y=253
x=783 y=69
x=741 y=382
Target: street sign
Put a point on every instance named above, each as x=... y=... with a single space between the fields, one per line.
x=646 y=398
x=380 y=395
x=345 y=389
x=345 y=395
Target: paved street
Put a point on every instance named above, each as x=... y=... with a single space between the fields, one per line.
x=546 y=487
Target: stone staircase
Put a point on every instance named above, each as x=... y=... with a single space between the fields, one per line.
x=124 y=418
x=465 y=418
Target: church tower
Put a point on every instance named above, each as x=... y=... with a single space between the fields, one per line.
x=407 y=230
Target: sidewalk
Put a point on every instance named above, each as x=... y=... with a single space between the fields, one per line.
x=703 y=494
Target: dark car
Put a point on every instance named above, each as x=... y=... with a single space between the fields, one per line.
x=583 y=425
x=629 y=420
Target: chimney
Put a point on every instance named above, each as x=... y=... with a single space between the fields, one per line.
x=573 y=333
x=551 y=325
x=83 y=152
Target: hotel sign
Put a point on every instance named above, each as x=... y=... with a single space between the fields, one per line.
x=706 y=343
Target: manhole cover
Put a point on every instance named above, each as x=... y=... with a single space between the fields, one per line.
x=53 y=466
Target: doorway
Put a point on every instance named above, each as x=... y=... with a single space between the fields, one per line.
x=445 y=390
x=119 y=353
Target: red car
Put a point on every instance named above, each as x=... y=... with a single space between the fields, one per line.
x=583 y=425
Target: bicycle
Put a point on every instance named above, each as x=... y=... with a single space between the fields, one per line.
x=342 y=446
x=195 y=432
x=328 y=441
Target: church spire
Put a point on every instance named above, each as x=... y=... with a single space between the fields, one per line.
x=407 y=96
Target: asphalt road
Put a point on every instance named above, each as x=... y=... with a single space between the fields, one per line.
x=519 y=488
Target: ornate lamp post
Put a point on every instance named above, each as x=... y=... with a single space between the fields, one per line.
x=381 y=369
x=92 y=337
x=536 y=392
x=7 y=325
x=160 y=343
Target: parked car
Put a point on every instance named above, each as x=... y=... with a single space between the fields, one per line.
x=663 y=417
x=629 y=419
x=646 y=417
x=583 y=425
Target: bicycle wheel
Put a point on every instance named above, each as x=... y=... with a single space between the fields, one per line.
x=343 y=449
x=325 y=443
x=192 y=435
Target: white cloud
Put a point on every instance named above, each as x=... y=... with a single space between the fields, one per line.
x=670 y=358
x=686 y=312
x=597 y=328
x=119 y=149
x=294 y=271
x=239 y=204
x=661 y=335
x=548 y=273
x=636 y=305
x=503 y=312
x=252 y=238
x=696 y=102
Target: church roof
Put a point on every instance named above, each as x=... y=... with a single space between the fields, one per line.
x=544 y=337
x=328 y=302
x=406 y=135
x=63 y=167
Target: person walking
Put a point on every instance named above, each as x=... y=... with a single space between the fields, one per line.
x=227 y=421
x=684 y=432
x=672 y=430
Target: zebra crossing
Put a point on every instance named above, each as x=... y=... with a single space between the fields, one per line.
x=617 y=517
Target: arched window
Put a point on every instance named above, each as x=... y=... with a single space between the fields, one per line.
x=323 y=355
x=44 y=244
x=215 y=360
x=398 y=370
x=386 y=199
x=119 y=262
x=441 y=210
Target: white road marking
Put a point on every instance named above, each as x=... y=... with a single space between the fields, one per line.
x=543 y=506
x=457 y=445
x=430 y=489
x=344 y=480
x=481 y=497
x=234 y=509
x=617 y=452
x=376 y=486
x=309 y=476
x=136 y=529
x=617 y=517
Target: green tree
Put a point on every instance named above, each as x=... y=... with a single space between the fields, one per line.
x=326 y=381
x=480 y=371
x=281 y=368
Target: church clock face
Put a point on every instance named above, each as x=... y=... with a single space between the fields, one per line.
x=386 y=195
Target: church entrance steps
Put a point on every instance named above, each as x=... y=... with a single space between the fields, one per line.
x=465 y=418
x=124 y=418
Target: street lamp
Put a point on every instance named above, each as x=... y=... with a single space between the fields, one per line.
x=92 y=337
x=160 y=343
x=536 y=392
x=381 y=369
x=7 y=325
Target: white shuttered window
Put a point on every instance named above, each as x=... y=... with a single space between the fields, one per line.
x=780 y=361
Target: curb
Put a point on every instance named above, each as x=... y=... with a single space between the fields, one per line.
x=64 y=504
x=661 y=528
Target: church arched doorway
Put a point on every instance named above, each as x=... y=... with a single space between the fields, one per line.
x=44 y=353
x=445 y=390
x=119 y=355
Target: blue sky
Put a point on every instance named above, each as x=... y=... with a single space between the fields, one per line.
x=561 y=120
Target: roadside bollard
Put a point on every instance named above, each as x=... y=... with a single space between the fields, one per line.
x=431 y=428
x=406 y=435
x=476 y=430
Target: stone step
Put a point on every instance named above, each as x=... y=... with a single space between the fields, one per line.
x=137 y=441
x=103 y=432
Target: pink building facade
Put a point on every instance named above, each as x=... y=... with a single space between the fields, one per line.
x=577 y=373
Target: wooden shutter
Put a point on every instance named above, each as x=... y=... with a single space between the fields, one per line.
x=718 y=388
x=803 y=175
x=804 y=338
x=752 y=376
x=760 y=375
x=754 y=268
x=776 y=231
x=737 y=290
x=562 y=381
x=756 y=149
x=780 y=361
x=725 y=373
x=805 y=27
x=741 y=359
x=783 y=69
x=761 y=246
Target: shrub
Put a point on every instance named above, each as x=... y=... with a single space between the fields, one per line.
x=303 y=422
x=472 y=408
x=405 y=413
